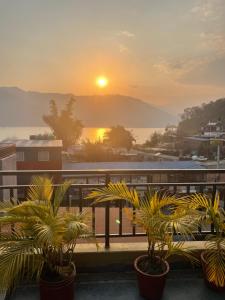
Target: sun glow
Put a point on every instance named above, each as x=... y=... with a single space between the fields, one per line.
x=100 y=134
x=102 y=82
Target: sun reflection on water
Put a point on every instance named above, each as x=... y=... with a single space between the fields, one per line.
x=100 y=134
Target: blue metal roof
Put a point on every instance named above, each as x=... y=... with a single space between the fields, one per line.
x=133 y=165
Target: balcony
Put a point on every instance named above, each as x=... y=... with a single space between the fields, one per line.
x=123 y=286
x=108 y=273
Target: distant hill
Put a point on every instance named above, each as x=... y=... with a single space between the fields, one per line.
x=195 y=117
x=26 y=108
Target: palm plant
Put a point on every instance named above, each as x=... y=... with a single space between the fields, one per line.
x=213 y=214
x=161 y=217
x=43 y=237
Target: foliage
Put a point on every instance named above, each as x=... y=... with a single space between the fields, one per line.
x=63 y=124
x=161 y=216
x=118 y=137
x=43 y=238
x=213 y=214
x=194 y=118
x=96 y=152
x=168 y=136
x=155 y=139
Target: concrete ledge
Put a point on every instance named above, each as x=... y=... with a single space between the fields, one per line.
x=120 y=256
x=130 y=247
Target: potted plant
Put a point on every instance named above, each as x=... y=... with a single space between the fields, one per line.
x=213 y=257
x=42 y=240
x=161 y=216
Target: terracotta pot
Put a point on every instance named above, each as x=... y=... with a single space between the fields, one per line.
x=151 y=287
x=209 y=283
x=58 y=290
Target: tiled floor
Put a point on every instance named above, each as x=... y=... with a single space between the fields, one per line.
x=181 y=285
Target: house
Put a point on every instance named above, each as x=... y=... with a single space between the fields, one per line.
x=7 y=162
x=37 y=155
x=213 y=129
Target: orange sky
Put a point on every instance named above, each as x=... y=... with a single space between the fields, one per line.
x=169 y=53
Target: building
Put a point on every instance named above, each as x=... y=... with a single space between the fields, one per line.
x=37 y=155
x=157 y=177
x=213 y=129
x=7 y=162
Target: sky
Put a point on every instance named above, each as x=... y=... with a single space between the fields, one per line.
x=170 y=53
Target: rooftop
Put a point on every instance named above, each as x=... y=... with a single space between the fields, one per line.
x=133 y=165
x=6 y=149
x=35 y=143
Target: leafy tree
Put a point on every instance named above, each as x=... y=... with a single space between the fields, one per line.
x=95 y=152
x=118 y=137
x=155 y=139
x=63 y=123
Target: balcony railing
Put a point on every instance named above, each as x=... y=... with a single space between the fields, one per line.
x=108 y=220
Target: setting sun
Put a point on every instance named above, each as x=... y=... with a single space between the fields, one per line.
x=102 y=82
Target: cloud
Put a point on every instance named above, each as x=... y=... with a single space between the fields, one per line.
x=213 y=41
x=178 y=67
x=123 y=48
x=207 y=10
x=126 y=33
x=211 y=73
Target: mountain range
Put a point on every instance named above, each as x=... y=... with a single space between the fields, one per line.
x=26 y=108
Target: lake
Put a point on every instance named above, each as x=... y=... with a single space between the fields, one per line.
x=93 y=134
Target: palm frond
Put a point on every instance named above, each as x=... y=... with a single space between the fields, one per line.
x=59 y=195
x=18 y=262
x=215 y=261
x=29 y=208
x=41 y=188
x=177 y=248
x=117 y=191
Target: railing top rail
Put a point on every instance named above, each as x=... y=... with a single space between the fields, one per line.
x=96 y=185
x=109 y=171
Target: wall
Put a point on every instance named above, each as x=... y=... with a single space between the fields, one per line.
x=7 y=163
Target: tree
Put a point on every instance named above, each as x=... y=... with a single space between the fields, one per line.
x=155 y=139
x=118 y=137
x=63 y=124
x=95 y=152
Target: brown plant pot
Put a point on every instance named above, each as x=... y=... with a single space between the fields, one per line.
x=151 y=287
x=58 y=290
x=210 y=284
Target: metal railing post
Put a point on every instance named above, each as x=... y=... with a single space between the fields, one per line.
x=107 y=217
x=213 y=200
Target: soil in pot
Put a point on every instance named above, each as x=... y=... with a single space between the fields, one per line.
x=56 y=287
x=210 y=284
x=151 y=279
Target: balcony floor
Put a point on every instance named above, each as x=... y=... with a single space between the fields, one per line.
x=106 y=286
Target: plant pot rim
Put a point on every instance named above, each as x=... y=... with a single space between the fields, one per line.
x=66 y=278
x=147 y=274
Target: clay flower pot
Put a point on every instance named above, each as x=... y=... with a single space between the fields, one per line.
x=58 y=290
x=151 y=287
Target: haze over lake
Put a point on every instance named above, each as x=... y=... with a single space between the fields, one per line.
x=91 y=133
